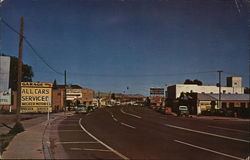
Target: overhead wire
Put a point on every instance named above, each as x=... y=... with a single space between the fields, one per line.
x=138 y=75
x=32 y=48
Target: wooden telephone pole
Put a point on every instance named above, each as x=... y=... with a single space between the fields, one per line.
x=19 y=70
x=219 y=102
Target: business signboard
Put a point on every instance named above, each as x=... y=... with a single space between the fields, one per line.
x=5 y=97
x=36 y=97
x=4 y=73
x=156 y=91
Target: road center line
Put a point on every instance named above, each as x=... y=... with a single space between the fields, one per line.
x=130 y=114
x=127 y=125
x=229 y=129
x=209 y=150
x=113 y=117
x=105 y=145
x=206 y=133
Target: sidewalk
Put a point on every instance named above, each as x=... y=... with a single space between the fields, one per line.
x=215 y=118
x=29 y=144
x=219 y=118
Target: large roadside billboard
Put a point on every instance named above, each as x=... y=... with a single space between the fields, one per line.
x=4 y=73
x=36 y=97
x=156 y=91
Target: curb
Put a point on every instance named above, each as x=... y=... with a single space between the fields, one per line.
x=46 y=148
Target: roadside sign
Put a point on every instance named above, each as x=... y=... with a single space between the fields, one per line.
x=5 y=97
x=156 y=91
x=36 y=97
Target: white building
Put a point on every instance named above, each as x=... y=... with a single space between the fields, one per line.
x=234 y=86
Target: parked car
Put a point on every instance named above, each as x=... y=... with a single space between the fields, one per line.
x=81 y=109
x=183 y=111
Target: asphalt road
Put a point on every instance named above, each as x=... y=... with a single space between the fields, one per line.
x=140 y=133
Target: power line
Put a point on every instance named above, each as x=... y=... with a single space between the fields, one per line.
x=138 y=75
x=42 y=59
x=32 y=48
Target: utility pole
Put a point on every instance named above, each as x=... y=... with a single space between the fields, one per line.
x=219 y=102
x=19 y=70
x=65 y=83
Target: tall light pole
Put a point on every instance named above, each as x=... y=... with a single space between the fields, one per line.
x=219 y=102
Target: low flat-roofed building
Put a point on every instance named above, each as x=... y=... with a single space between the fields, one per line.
x=200 y=102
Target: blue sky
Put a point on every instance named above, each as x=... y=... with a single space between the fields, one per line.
x=108 y=45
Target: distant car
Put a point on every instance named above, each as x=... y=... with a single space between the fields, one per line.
x=183 y=111
x=81 y=109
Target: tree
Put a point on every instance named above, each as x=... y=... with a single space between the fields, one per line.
x=196 y=81
x=55 y=84
x=188 y=81
x=26 y=76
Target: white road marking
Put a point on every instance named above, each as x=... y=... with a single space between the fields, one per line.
x=105 y=145
x=100 y=150
x=206 y=133
x=113 y=117
x=229 y=129
x=76 y=142
x=209 y=150
x=127 y=125
x=130 y=114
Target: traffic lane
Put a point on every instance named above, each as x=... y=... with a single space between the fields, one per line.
x=237 y=148
x=227 y=128
x=236 y=124
x=125 y=139
x=77 y=144
x=102 y=125
x=191 y=123
x=150 y=144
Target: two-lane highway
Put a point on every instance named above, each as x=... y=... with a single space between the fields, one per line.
x=140 y=133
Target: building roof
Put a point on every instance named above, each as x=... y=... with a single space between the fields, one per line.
x=232 y=97
x=205 y=97
x=72 y=86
